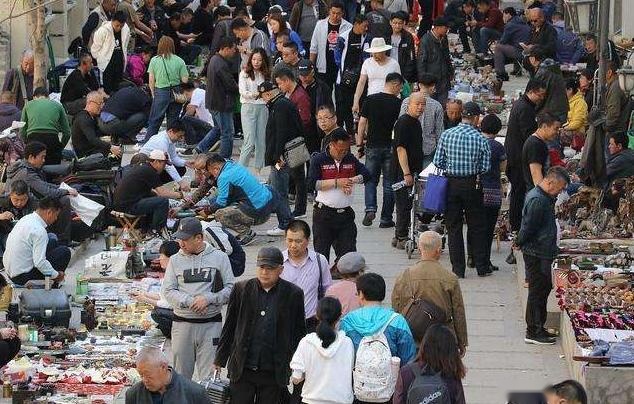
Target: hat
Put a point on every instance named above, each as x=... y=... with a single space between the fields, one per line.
x=157 y=154
x=270 y=257
x=305 y=66
x=351 y=263
x=471 y=109
x=266 y=86
x=188 y=228
x=440 y=22
x=378 y=45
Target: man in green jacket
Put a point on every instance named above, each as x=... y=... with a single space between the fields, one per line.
x=45 y=119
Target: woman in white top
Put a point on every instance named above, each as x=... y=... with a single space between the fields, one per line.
x=254 y=113
x=324 y=359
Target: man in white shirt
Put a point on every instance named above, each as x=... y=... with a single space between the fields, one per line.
x=198 y=122
x=31 y=253
x=165 y=142
x=374 y=71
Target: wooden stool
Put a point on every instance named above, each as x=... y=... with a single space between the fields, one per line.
x=129 y=222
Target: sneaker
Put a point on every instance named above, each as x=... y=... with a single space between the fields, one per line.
x=247 y=238
x=400 y=244
x=547 y=334
x=502 y=76
x=299 y=215
x=215 y=146
x=485 y=274
x=386 y=225
x=539 y=340
x=275 y=231
x=369 y=218
x=189 y=152
x=493 y=267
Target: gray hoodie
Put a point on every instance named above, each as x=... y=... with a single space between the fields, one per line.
x=206 y=274
x=34 y=178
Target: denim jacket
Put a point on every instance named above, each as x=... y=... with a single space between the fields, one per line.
x=538 y=234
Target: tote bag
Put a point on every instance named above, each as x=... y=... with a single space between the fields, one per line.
x=435 y=198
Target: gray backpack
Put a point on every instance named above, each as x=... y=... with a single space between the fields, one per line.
x=427 y=387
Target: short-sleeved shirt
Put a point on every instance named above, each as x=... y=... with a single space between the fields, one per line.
x=491 y=179
x=377 y=73
x=535 y=150
x=407 y=134
x=136 y=184
x=174 y=68
x=331 y=40
x=381 y=110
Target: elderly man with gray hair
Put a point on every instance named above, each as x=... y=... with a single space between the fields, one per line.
x=19 y=81
x=161 y=384
x=85 y=133
x=428 y=280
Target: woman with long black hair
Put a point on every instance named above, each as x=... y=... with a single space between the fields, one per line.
x=324 y=359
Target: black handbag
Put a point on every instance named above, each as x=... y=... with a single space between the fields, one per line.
x=217 y=390
x=420 y=314
x=350 y=77
x=46 y=306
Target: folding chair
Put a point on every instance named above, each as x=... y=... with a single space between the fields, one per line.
x=129 y=222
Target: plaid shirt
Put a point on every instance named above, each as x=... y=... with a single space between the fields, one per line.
x=432 y=122
x=463 y=152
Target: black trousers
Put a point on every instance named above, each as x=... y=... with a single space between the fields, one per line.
x=298 y=177
x=539 y=287
x=426 y=10
x=516 y=203
x=9 y=348
x=461 y=30
x=403 y=204
x=257 y=387
x=465 y=201
x=112 y=77
x=53 y=146
x=491 y=219
x=165 y=177
x=57 y=255
x=334 y=229
x=344 y=98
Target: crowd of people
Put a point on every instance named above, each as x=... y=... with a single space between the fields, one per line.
x=337 y=78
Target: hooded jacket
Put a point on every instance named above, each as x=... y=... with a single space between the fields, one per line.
x=556 y=101
x=8 y=114
x=369 y=320
x=207 y=274
x=327 y=371
x=34 y=178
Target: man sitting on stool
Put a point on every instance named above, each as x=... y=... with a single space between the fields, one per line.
x=166 y=142
x=31 y=254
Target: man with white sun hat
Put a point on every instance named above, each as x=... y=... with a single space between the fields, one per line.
x=374 y=70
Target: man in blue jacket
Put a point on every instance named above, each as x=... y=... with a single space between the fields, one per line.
x=537 y=239
x=242 y=201
x=508 y=48
x=372 y=316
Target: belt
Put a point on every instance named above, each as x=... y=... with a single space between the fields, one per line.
x=215 y=319
x=320 y=205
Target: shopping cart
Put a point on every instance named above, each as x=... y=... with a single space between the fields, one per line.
x=419 y=216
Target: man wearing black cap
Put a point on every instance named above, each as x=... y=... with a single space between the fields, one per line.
x=463 y=154
x=319 y=92
x=264 y=324
x=198 y=281
x=284 y=125
x=433 y=58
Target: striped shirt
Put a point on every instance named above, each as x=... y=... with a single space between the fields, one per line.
x=462 y=152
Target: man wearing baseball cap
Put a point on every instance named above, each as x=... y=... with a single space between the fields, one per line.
x=434 y=58
x=464 y=154
x=198 y=281
x=264 y=324
x=140 y=191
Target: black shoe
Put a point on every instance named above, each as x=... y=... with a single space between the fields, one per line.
x=510 y=259
x=485 y=274
x=517 y=71
x=493 y=268
x=503 y=76
x=247 y=238
x=539 y=340
x=470 y=262
x=547 y=334
x=368 y=219
x=386 y=225
x=394 y=242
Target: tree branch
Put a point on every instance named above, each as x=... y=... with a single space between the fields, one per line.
x=27 y=11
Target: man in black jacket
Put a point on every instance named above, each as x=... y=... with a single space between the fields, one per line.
x=521 y=125
x=222 y=91
x=542 y=34
x=548 y=71
x=203 y=23
x=403 y=48
x=319 y=94
x=433 y=58
x=78 y=84
x=125 y=113
x=284 y=125
x=85 y=133
x=14 y=206
x=263 y=326
x=538 y=241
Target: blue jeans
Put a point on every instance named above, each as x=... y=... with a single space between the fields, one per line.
x=195 y=129
x=280 y=206
x=254 y=118
x=279 y=180
x=379 y=159
x=483 y=36
x=209 y=140
x=224 y=122
x=162 y=105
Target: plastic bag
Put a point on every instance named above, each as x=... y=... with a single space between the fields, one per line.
x=86 y=209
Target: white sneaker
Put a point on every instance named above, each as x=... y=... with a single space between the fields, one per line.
x=275 y=231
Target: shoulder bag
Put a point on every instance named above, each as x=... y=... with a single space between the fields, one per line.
x=175 y=93
x=296 y=152
x=435 y=198
x=421 y=313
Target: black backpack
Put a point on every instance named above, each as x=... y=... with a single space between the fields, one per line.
x=427 y=387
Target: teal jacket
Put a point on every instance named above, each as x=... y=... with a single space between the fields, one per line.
x=367 y=321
